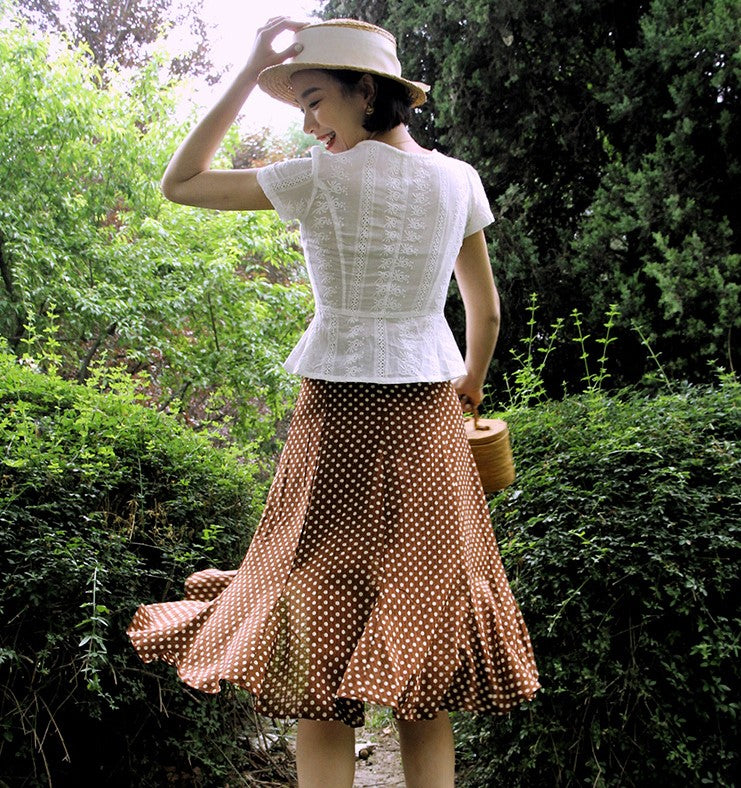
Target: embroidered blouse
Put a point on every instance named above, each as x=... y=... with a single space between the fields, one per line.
x=381 y=229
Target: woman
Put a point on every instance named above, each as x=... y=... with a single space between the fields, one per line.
x=374 y=574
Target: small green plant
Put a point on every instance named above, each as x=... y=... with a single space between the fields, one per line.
x=525 y=386
x=41 y=345
x=593 y=381
x=95 y=659
x=377 y=718
x=660 y=371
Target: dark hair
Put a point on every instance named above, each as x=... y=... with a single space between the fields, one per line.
x=392 y=105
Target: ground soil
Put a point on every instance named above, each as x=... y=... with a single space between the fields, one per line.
x=382 y=767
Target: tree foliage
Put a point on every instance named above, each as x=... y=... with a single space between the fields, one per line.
x=203 y=306
x=261 y=147
x=119 y=33
x=606 y=135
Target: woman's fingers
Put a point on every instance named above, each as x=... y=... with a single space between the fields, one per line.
x=467 y=404
x=290 y=51
x=469 y=393
x=263 y=54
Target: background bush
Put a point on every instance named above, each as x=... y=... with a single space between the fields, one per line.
x=621 y=539
x=104 y=505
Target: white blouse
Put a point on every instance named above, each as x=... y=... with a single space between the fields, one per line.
x=381 y=229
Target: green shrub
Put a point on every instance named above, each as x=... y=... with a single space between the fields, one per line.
x=621 y=539
x=104 y=505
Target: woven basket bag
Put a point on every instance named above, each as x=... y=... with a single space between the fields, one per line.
x=489 y=441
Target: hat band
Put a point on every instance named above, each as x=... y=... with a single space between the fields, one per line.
x=350 y=48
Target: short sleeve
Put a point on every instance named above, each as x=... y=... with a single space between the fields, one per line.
x=479 y=210
x=289 y=185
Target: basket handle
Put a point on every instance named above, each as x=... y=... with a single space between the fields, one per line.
x=475 y=415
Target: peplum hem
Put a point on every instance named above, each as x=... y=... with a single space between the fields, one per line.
x=376 y=349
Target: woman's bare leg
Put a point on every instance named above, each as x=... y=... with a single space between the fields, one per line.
x=427 y=752
x=325 y=754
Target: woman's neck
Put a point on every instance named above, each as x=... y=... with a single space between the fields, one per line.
x=399 y=137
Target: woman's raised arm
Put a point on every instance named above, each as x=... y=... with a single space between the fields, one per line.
x=188 y=178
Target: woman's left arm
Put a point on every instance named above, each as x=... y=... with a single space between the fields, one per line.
x=483 y=316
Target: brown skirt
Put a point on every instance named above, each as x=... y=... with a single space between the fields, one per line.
x=374 y=574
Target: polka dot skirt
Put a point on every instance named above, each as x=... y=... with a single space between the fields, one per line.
x=373 y=576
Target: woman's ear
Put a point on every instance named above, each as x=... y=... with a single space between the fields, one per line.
x=367 y=88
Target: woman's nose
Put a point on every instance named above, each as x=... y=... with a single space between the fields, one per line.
x=308 y=123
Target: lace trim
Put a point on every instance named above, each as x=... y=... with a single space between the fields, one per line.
x=418 y=333
x=329 y=363
x=325 y=232
x=366 y=211
x=283 y=183
x=380 y=333
x=392 y=234
x=355 y=340
x=417 y=224
x=385 y=315
x=435 y=266
x=288 y=177
x=323 y=281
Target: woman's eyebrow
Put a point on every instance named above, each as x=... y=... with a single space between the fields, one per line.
x=308 y=92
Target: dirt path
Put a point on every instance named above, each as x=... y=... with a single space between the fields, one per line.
x=380 y=767
x=383 y=766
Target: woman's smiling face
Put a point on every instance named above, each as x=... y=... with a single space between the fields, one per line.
x=334 y=116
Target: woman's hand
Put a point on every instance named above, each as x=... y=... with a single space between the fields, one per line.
x=470 y=392
x=263 y=54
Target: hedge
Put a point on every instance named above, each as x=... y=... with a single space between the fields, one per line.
x=621 y=540
x=105 y=504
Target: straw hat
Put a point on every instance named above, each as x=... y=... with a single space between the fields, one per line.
x=341 y=44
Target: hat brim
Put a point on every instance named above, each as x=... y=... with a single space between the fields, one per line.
x=276 y=81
